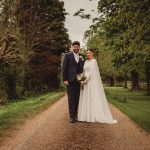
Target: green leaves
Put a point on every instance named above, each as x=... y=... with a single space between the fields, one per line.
x=124 y=31
x=125 y=26
x=81 y=14
x=42 y=24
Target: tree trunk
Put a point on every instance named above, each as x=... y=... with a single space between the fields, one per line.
x=11 y=87
x=2 y=97
x=135 y=80
x=115 y=80
x=125 y=80
x=148 y=79
x=111 y=81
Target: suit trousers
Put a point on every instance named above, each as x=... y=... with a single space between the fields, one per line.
x=73 y=92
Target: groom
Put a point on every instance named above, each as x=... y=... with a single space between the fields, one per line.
x=72 y=65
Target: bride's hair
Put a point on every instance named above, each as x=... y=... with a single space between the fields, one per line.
x=91 y=50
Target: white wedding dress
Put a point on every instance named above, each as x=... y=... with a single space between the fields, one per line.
x=93 y=105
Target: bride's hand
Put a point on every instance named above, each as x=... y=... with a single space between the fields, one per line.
x=82 y=84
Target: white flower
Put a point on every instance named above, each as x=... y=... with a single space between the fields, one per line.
x=80 y=77
x=81 y=58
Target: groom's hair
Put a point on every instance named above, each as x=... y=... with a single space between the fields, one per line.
x=76 y=43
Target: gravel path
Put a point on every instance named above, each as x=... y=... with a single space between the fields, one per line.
x=52 y=131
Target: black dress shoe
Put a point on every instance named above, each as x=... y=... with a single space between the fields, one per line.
x=76 y=119
x=72 y=120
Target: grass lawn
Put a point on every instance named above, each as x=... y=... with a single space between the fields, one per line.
x=16 y=112
x=134 y=104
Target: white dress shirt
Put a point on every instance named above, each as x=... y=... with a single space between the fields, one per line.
x=76 y=56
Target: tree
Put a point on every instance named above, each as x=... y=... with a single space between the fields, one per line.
x=126 y=27
x=7 y=17
x=42 y=24
x=95 y=39
x=13 y=51
x=124 y=23
x=10 y=56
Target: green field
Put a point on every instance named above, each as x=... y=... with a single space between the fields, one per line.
x=134 y=104
x=16 y=112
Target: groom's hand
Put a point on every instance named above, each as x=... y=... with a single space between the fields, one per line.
x=66 y=82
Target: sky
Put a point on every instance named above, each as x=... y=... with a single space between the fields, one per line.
x=75 y=25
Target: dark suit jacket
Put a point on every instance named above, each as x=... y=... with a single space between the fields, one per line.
x=69 y=67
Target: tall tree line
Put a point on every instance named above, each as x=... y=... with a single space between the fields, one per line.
x=122 y=33
x=42 y=23
x=37 y=32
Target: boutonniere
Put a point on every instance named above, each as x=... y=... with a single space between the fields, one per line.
x=81 y=57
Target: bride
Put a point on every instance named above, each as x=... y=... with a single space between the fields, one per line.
x=93 y=106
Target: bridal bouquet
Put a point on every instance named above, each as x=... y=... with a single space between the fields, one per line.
x=81 y=78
